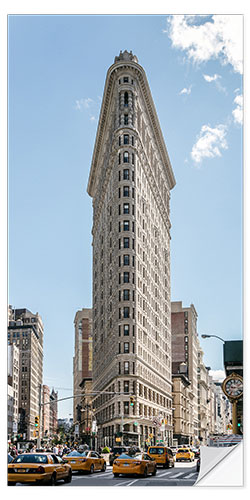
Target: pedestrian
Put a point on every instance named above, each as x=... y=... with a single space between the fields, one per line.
x=55 y=450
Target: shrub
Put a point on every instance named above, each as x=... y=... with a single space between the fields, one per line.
x=105 y=450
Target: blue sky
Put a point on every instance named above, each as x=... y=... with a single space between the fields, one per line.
x=57 y=70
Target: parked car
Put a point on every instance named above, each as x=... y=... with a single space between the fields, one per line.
x=198 y=464
x=162 y=455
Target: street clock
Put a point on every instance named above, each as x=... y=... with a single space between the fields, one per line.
x=233 y=386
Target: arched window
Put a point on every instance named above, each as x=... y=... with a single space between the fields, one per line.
x=125 y=157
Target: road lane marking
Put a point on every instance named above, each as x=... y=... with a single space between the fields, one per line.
x=132 y=482
x=122 y=483
x=164 y=474
x=177 y=475
x=190 y=475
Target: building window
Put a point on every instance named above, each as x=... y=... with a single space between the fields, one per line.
x=126 y=386
x=126 y=208
x=125 y=294
x=126 y=407
x=126 y=277
x=132 y=138
x=126 y=225
x=126 y=139
x=125 y=242
x=126 y=347
x=125 y=79
x=126 y=260
x=133 y=159
x=125 y=330
x=119 y=158
x=126 y=312
x=125 y=157
x=125 y=119
x=125 y=174
x=126 y=367
x=125 y=191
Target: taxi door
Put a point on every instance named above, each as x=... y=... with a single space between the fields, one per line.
x=95 y=460
x=58 y=467
x=150 y=464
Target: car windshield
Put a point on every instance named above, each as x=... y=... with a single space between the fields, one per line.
x=31 y=459
x=138 y=456
x=183 y=451
x=124 y=456
x=75 y=454
x=156 y=451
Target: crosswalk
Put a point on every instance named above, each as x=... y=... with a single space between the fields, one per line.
x=161 y=475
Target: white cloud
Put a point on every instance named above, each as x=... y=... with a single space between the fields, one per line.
x=83 y=103
x=186 y=91
x=217 y=375
x=209 y=37
x=238 y=111
x=209 y=78
x=216 y=79
x=209 y=143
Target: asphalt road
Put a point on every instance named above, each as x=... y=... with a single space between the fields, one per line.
x=183 y=474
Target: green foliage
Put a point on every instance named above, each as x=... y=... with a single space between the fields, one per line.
x=105 y=450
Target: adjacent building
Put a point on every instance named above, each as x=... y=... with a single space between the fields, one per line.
x=82 y=361
x=45 y=412
x=182 y=408
x=130 y=182
x=185 y=347
x=53 y=416
x=25 y=331
x=13 y=389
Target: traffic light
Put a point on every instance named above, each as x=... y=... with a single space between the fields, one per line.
x=37 y=421
x=79 y=415
x=132 y=400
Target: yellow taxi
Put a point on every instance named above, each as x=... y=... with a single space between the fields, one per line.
x=184 y=454
x=88 y=461
x=162 y=455
x=140 y=464
x=38 y=468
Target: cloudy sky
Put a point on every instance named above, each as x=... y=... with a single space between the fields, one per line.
x=57 y=70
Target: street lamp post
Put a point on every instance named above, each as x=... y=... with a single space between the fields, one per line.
x=233 y=401
x=205 y=336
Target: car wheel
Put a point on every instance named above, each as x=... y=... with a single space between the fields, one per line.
x=116 y=474
x=145 y=473
x=10 y=483
x=104 y=467
x=68 y=479
x=52 y=481
x=154 y=472
x=91 y=470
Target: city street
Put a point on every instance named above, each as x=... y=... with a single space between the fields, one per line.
x=183 y=474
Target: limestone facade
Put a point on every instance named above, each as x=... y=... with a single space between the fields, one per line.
x=130 y=182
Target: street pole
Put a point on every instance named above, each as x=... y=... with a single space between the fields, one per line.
x=234 y=417
x=39 y=425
